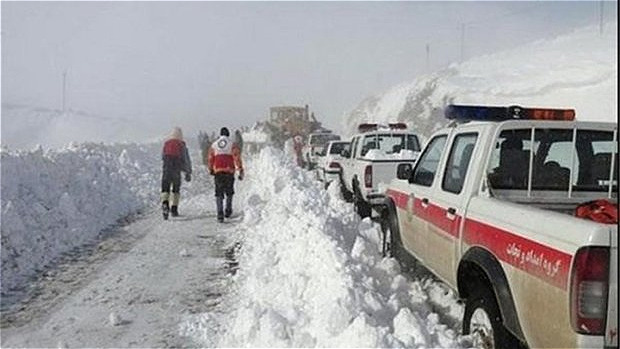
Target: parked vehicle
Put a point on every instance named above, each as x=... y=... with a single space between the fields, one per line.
x=314 y=145
x=370 y=164
x=328 y=163
x=489 y=208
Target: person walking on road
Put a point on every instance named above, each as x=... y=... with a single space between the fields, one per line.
x=175 y=159
x=224 y=158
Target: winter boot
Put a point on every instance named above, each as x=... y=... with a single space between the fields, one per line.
x=174 y=204
x=165 y=209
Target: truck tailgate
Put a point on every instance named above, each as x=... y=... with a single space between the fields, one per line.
x=611 y=331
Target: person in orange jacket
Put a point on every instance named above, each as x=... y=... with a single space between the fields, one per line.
x=224 y=158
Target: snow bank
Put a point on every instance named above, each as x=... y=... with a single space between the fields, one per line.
x=55 y=200
x=577 y=70
x=311 y=274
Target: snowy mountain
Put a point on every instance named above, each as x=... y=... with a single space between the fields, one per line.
x=577 y=70
x=24 y=127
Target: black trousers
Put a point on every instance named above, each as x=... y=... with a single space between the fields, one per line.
x=171 y=178
x=224 y=184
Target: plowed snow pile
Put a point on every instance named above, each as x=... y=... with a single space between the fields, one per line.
x=57 y=200
x=311 y=274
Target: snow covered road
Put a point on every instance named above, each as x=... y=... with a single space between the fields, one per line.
x=309 y=273
x=156 y=274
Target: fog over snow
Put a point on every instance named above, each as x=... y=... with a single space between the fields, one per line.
x=146 y=66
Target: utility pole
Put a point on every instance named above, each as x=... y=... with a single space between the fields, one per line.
x=600 y=17
x=64 y=90
x=462 y=41
x=428 y=52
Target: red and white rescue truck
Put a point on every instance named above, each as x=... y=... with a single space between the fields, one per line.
x=370 y=162
x=490 y=207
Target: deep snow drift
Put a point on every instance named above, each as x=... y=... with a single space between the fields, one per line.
x=578 y=70
x=311 y=274
x=56 y=200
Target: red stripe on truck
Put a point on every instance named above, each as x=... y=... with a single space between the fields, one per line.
x=534 y=258
x=547 y=263
x=438 y=217
x=400 y=199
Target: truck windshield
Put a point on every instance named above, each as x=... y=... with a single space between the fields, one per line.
x=337 y=148
x=561 y=160
x=390 y=143
x=321 y=139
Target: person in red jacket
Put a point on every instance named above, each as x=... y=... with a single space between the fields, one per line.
x=224 y=158
x=175 y=159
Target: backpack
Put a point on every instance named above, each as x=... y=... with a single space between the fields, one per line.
x=602 y=211
x=173 y=147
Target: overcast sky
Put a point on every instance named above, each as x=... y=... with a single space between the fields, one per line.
x=206 y=64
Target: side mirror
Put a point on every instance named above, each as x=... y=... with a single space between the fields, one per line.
x=403 y=171
x=345 y=153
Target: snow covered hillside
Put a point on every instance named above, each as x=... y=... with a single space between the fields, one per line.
x=56 y=200
x=25 y=127
x=577 y=70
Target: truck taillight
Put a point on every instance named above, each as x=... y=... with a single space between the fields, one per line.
x=589 y=288
x=368 y=177
x=335 y=165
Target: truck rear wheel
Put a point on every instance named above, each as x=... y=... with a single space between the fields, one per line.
x=346 y=194
x=483 y=321
x=362 y=208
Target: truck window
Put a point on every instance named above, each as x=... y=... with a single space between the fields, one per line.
x=389 y=143
x=558 y=160
x=337 y=148
x=426 y=168
x=370 y=142
x=509 y=164
x=458 y=162
x=413 y=143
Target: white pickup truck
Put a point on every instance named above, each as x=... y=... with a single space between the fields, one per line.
x=489 y=208
x=372 y=160
x=314 y=145
x=328 y=168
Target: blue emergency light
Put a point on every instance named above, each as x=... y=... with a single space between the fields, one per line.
x=495 y=113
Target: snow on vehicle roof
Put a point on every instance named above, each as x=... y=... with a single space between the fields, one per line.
x=366 y=127
x=377 y=154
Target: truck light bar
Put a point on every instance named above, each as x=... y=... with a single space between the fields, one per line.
x=493 y=113
x=366 y=127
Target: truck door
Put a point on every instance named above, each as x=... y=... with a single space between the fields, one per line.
x=415 y=222
x=447 y=206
